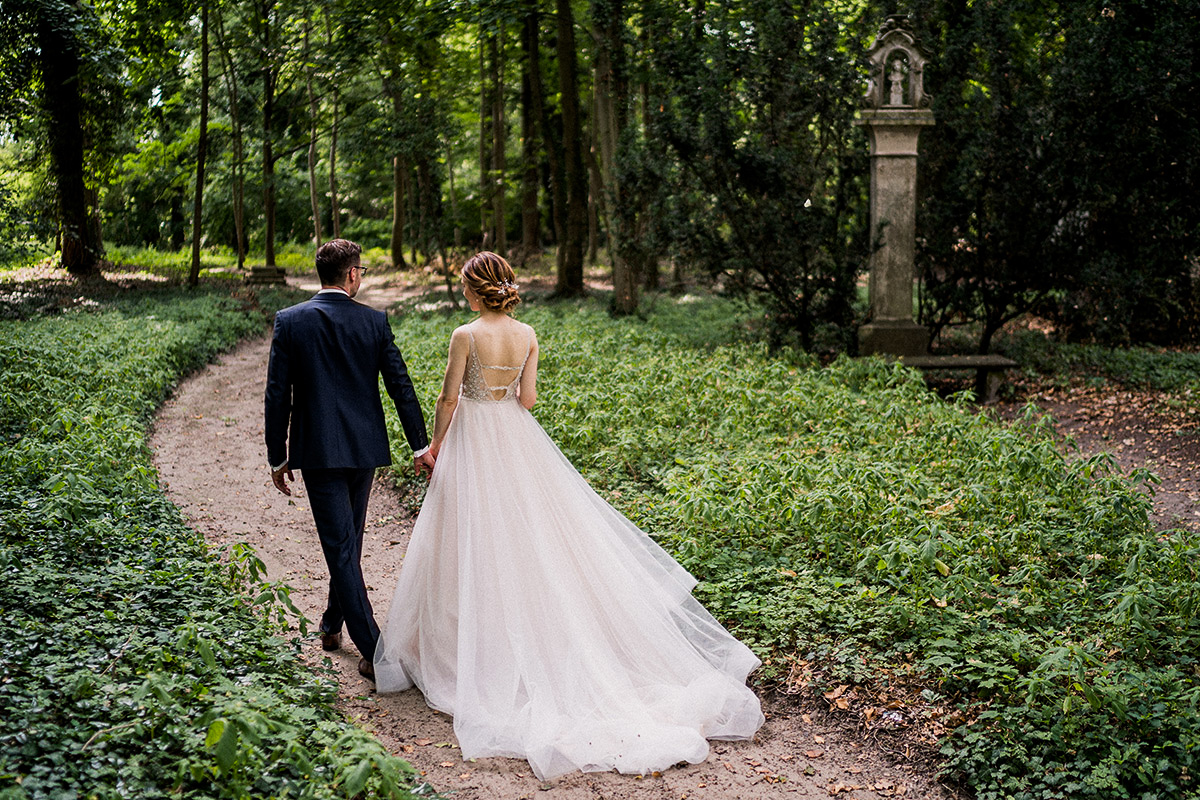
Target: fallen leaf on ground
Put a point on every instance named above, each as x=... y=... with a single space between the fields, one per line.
x=834 y=694
x=423 y=742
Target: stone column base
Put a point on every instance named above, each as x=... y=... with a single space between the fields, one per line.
x=893 y=337
x=266 y=276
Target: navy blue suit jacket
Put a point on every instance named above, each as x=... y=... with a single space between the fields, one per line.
x=323 y=378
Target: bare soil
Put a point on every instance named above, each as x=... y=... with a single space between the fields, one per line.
x=209 y=451
x=1139 y=429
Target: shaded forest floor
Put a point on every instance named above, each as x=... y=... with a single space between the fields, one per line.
x=208 y=442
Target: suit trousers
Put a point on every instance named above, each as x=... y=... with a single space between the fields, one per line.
x=339 y=504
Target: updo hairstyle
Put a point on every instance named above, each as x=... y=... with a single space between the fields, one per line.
x=491 y=278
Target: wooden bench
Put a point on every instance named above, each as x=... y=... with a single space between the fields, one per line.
x=989 y=370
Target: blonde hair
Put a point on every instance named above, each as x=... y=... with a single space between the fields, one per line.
x=489 y=276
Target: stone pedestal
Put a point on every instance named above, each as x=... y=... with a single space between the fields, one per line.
x=893 y=136
x=266 y=276
x=896 y=108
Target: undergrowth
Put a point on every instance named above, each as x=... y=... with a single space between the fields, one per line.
x=1151 y=368
x=843 y=516
x=136 y=664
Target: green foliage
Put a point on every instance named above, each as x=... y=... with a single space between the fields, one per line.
x=755 y=170
x=846 y=516
x=295 y=258
x=1168 y=371
x=136 y=663
x=1058 y=173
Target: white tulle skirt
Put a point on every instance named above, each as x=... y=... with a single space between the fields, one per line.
x=546 y=623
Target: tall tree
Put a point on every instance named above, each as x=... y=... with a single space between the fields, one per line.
x=570 y=265
x=201 y=149
x=268 y=72
x=58 y=26
x=313 y=118
x=530 y=65
x=335 y=210
x=238 y=178
x=499 y=130
x=612 y=98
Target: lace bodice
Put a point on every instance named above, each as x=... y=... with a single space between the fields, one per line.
x=475 y=384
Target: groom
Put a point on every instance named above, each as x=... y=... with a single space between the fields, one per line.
x=324 y=417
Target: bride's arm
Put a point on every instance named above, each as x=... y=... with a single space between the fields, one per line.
x=527 y=391
x=456 y=368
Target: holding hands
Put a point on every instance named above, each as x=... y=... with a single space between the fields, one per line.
x=423 y=463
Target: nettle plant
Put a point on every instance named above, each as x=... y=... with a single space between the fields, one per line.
x=847 y=517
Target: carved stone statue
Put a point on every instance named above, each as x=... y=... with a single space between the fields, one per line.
x=896 y=78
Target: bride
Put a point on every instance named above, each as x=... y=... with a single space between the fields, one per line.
x=544 y=621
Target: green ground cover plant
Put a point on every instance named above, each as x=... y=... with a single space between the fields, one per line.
x=1153 y=368
x=844 y=517
x=136 y=663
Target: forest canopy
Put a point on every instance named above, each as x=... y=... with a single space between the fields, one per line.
x=707 y=140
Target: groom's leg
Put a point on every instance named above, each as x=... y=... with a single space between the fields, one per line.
x=332 y=619
x=338 y=501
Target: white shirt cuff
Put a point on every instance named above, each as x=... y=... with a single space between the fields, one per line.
x=421 y=452
x=275 y=468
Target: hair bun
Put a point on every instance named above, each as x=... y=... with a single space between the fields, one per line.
x=490 y=277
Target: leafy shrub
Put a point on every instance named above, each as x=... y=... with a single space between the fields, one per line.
x=846 y=517
x=136 y=664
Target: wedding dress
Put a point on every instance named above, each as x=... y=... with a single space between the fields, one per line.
x=547 y=624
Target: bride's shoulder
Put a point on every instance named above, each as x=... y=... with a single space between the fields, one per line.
x=461 y=336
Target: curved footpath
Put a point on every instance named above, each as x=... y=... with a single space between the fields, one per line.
x=209 y=451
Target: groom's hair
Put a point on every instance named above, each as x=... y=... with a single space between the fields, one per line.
x=335 y=258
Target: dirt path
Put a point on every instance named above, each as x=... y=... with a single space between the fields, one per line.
x=208 y=446
x=1139 y=430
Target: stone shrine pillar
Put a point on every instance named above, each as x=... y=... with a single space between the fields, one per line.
x=895 y=109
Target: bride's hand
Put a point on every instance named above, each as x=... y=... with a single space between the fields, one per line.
x=424 y=462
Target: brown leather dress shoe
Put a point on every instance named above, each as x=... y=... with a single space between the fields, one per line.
x=331 y=641
x=366 y=669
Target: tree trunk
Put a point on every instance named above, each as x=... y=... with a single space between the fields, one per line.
x=570 y=268
x=556 y=197
x=235 y=124
x=611 y=99
x=409 y=196
x=499 y=138
x=530 y=218
x=312 y=143
x=60 y=59
x=458 y=231
x=397 y=244
x=177 y=221
x=201 y=149
x=268 y=158
x=487 y=234
x=595 y=201
x=335 y=210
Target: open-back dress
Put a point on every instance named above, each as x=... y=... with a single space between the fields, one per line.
x=544 y=621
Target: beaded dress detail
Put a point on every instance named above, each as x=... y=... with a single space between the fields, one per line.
x=546 y=623
x=475 y=385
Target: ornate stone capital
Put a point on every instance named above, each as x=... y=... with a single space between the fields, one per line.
x=896 y=69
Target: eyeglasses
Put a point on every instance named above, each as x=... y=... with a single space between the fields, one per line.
x=361 y=269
